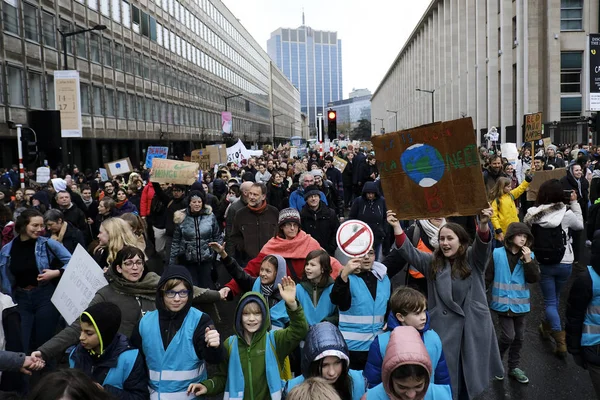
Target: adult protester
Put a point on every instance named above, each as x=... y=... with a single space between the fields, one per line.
x=27 y=276
x=72 y=213
x=318 y=220
x=493 y=172
x=157 y=214
x=253 y=225
x=333 y=175
x=334 y=200
x=277 y=194
x=456 y=294
x=115 y=233
x=63 y=231
x=370 y=207
x=297 y=196
x=575 y=180
x=123 y=204
x=196 y=227
x=347 y=180
x=231 y=211
x=262 y=175
x=108 y=191
x=551 y=221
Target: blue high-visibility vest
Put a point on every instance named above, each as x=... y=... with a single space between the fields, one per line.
x=278 y=313
x=235 y=385
x=590 y=335
x=358 y=383
x=171 y=371
x=324 y=307
x=117 y=375
x=509 y=291
x=365 y=317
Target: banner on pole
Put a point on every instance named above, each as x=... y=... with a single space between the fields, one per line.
x=237 y=153
x=67 y=98
x=226 y=122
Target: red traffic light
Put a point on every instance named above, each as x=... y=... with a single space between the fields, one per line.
x=331 y=115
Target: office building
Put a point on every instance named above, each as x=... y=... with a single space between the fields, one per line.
x=157 y=75
x=494 y=61
x=312 y=61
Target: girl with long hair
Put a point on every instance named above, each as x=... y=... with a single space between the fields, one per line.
x=115 y=233
x=502 y=198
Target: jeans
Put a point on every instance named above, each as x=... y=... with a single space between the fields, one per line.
x=553 y=279
x=512 y=335
x=39 y=317
x=201 y=274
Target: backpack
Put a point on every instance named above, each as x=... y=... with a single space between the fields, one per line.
x=549 y=244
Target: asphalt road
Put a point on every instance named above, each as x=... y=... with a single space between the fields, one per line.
x=549 y=377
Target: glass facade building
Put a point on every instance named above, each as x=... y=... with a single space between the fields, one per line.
x=312 y=61
x=159 y=74
x=350 y=112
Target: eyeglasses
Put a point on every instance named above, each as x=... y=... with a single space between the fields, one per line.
x=129 y=264
x=183 y=294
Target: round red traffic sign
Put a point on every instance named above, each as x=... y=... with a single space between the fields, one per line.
x=354 y=238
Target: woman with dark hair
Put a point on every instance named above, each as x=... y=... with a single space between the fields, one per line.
x=68 y=384
x=123 y=205
x=551 y=217
x=314 y=289
x=277 y=195
x=63 y=231
x=456 y=294
x=27 y=275
x=325 y=355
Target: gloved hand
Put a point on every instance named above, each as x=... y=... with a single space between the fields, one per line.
x=528 y=177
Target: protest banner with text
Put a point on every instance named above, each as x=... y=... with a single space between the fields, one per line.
x=174 y=171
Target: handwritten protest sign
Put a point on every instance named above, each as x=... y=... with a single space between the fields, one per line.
x=431 y=171
x=217 y=153
x=340 y=163
x=155 y=152
x=174 y=171
x=118 y=167
x=237 y=153
x=204 y=162
x=78 y=285
x=540 y=177
x=195 y=156
x=533 y=127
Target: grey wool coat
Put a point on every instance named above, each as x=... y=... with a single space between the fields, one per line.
x=467 y=333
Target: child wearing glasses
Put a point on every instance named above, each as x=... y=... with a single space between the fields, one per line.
x=176 y=339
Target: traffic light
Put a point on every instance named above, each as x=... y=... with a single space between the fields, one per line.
x=332 y=124
x=29 y=146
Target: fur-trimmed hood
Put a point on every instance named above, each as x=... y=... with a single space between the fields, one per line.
x=180 y=215
x=546 y=215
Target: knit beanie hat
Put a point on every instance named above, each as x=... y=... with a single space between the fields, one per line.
x=288 y=215
x=197 y=193
x=106 y=319
x=310 y=190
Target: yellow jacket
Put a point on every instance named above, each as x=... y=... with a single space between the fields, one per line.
x=505 y=211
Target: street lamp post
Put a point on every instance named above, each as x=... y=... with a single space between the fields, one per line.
x=65 y=35
x=395 y=112
x=231 y=97
x=382 y=128
x=432 y=109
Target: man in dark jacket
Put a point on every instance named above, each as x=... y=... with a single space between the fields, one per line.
x=175 y=203
x=334 y=175
x=494 y=171
x=233 y=209
x=334 y=200
x=72 y=213
x=318 y=220
x=370 y=208
x=254 y=225
x=359 y=161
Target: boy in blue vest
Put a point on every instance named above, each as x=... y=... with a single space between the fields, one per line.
x=510 y=269
x=361 y=292
x=408 y=307
x=105 y=356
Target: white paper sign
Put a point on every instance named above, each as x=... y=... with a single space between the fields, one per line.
x=237 y=153
x=78 y=286
x=42 y=175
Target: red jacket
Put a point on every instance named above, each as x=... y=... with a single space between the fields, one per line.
x=146 y=200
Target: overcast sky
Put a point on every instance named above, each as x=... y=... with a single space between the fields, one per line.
x=372 y=31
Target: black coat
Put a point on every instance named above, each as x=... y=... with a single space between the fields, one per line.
x=373 y=212
x=251 y=231
x=322 y=225
x=570 y=183
x=72 y=238
x=347 y=174
x=277 y=196
x=334 y=200
x=359 y=160
x=75 y=216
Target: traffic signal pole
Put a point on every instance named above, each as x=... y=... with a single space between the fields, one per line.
x=20 y=146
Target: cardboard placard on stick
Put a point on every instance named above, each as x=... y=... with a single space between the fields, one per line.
x=217 y=153
x=540 y=177
x=340 y=163
x=533 y=127
x=431 y=171
x=118 y=167
x=204 y=162
x=174 y=171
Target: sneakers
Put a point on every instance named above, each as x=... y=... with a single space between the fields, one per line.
x=519 y=375
x=499 y=377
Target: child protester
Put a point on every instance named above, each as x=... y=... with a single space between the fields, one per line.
x=406 y=371
x=325 y=355
x=105 y=356
x=408 y=308
x=511 y=268
x=502 y=199
x=361 y=292
x=314 y=289
x=176 y=339
x=255 y=353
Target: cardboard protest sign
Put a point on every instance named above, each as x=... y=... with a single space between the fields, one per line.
x=155 y=152
x=174 y=171
x=431 y=171
x=204 y=162
x=368 y=146
x=195 y=156
x=118 y=167
x=80 y=282
x=217 y=153
x=540 y=177
x=103 y=174
x=340 y=163
x=533 y=127
x=547 y=142
x=42 y=175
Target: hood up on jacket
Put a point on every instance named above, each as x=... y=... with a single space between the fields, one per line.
x=323 y=340
x=546 y=215
x=404 y=348
x=371 y=187
x=281 y=270
x=238 y=327
x=174 y=272
x=517 y=228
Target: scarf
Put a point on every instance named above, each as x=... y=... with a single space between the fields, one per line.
x=121 y=203
x=432 y=231
x=296 y=248
x=87 y=202
x=267 y=290
x=61 y=234
x=259 y=209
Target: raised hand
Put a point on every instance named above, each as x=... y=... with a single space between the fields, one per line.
x=197 y=389
x=352 y=267
x=485 y=215
x=220 y=250
x=287 y=291
x=394 y=222
x=212 y=337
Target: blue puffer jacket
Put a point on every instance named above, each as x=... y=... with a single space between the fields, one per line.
x=46 y=250
x=192 y=235
x=372 y=369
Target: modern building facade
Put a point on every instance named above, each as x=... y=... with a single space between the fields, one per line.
x=494 y=61
x=312 y=61
x=159 y=74
x=350 y=112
